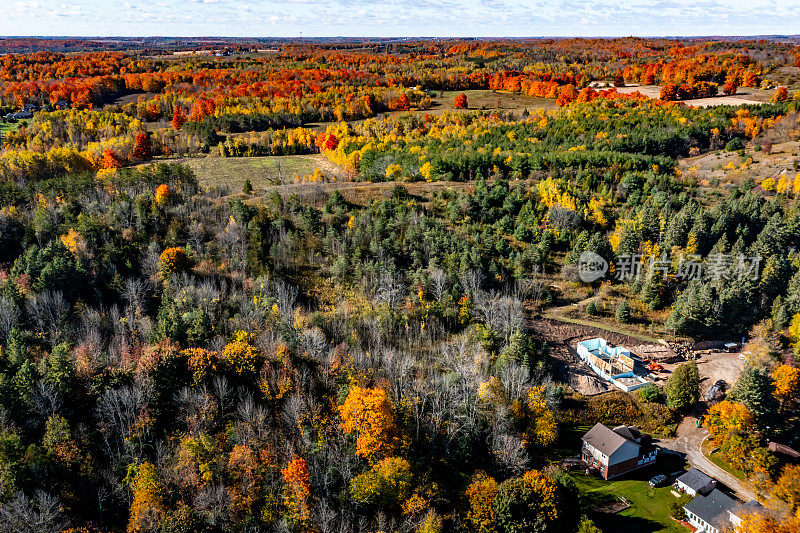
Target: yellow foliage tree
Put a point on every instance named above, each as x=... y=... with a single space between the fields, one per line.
x=388 y=482
x=767 y=523
x=787 y=486
x=787 y=384
x=727 y=418
x=147 y=505
x=243 y=357
x=368 y=412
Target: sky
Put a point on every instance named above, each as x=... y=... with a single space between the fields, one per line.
x=398 y=18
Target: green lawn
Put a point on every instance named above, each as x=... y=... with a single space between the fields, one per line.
x=650 y=508
x=6 y=127
x=720 y=461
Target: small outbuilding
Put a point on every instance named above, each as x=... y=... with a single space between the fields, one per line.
x=695 y=482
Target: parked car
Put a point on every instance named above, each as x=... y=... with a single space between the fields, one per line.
x=657 y=481
x=717 y=391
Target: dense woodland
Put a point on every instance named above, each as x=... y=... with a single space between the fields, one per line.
x=175 y=357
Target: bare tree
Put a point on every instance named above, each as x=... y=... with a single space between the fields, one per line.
x=390 y=289
x=46 y=400
x=438 y=283
x=9 y=317
x=286 y=294
x=42 y=514
x=47 y=309
x=471 y=282
x=118 y=412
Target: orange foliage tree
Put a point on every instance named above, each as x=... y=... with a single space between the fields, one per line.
x=178 y=117
x=369 y=413
x=460 y=101
x=403 y=103
x=730 y=88
x=110 y=160
x=297 y=492
x=481 y=493
x=174 y=260
x=162 y=194
x=568 y=94
x=781 y=94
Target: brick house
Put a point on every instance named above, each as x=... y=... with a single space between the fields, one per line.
x=614 y=452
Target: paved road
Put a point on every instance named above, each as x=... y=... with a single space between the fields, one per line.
x=689 y=441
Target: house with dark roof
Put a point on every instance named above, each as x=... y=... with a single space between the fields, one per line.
x=614 y=452
x=718 y=512
x=695 y=482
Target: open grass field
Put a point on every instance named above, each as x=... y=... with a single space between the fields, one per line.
x=277 y=173
x=745 y=95
x=5 y=127
x=263 y=172
x=479 y=99
x=650 y=507
x=722 y=168
x=493 y=100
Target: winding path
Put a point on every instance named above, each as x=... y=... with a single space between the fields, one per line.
x=690 y=442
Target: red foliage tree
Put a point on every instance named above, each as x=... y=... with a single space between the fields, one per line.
x=142 y=150
x=781 y=94
x=460 y=102
x=402 y=102
x=730 y=88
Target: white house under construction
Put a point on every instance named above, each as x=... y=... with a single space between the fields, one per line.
x=612 y=363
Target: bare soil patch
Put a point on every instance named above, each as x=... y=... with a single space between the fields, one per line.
x=563 y=337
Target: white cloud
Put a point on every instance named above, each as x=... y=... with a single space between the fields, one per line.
x=400 y=17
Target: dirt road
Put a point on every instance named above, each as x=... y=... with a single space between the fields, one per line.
x=690 y=441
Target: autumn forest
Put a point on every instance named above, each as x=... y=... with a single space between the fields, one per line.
x=333 y=286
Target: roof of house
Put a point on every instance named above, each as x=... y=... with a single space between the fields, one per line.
x=695 y=479
x=631 y=433
x=776 y=447
x=713 y=509
x=604 y=439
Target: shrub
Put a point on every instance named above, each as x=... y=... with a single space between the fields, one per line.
x=649 y=393
x=734 y=144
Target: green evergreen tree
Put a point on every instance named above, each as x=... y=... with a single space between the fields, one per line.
x=624 y=312
x=754 y=388
x=683 y=386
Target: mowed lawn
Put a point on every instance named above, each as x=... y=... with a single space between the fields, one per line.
x=650 y=507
